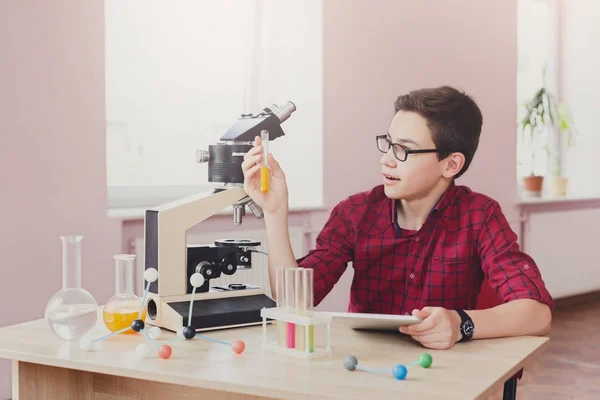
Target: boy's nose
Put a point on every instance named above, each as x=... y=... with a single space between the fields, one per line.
x=388 y=159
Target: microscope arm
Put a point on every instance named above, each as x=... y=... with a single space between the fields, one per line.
x=167 y=225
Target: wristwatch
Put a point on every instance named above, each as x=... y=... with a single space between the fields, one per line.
x=467 y=328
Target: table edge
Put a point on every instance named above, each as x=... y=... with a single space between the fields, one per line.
x=200 y=383
x=512 y=371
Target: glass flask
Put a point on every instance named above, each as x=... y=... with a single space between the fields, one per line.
x=72 y=312
x=124 y=306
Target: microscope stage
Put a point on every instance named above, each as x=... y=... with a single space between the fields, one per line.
x=224 y=312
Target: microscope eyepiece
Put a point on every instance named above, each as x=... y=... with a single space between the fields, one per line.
x=285 y=111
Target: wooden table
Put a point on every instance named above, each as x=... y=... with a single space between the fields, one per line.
x=45 y=367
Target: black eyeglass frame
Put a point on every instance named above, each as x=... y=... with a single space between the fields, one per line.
x=406 y=150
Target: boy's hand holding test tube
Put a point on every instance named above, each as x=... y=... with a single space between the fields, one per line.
x=264 y=179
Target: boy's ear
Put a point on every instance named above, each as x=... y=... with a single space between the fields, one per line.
x=454 y=163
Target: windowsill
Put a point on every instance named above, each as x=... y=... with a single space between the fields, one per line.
x=129 y=203
x=529 y=200
x=137 y=213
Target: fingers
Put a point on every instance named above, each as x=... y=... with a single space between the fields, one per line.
x=257 y=150
x=273 y=164
x=252 y=171
x=429 y=322
x=250 y=162
x=433 y=337
x=423 y=313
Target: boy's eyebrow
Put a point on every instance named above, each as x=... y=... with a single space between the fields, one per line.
x=408 y=141
x=404 y=140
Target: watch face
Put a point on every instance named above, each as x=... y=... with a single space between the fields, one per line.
x=468 y=328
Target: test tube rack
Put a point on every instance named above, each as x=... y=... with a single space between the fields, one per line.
x=294 y=316
x=307 y=322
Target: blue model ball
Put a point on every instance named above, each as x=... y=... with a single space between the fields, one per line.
x=399 y=372
x=350 y=363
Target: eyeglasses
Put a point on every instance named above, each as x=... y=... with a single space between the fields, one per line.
x=400 y=152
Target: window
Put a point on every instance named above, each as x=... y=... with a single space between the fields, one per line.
x=559 y=34
x=536 y=67
x=178 y=75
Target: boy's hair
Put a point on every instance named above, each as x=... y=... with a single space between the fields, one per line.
x=452 y=116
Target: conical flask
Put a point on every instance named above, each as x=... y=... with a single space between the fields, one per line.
x=124 y=306
x=72 y=311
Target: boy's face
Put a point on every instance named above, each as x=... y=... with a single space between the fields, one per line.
x=421 y=172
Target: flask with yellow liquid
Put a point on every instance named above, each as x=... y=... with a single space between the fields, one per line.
x=124 y=306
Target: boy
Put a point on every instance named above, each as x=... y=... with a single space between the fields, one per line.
x=418 y=243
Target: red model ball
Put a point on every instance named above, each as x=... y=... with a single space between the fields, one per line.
x=238 y=346
x=164 y=351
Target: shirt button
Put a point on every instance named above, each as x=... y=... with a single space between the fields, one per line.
x=412 y=276
x=417 y=239
x=526 y=266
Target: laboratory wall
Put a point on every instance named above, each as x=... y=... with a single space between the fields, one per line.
x=52 y=162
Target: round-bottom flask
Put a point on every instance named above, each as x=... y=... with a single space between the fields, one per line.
x=72 y=312
x=124 y=306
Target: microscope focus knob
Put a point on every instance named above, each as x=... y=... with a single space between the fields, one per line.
x=206 y=269
x=229 y=268
x=202 y=156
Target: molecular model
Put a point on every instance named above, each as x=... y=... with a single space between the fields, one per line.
x=185 y=333
x=399 y=371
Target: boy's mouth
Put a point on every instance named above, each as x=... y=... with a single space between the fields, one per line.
x=390 y=177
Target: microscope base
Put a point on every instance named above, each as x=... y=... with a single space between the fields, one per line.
x=211 y=313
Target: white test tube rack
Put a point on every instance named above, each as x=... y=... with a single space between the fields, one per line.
x=294 y=315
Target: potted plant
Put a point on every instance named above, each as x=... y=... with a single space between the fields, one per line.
x=534 y=129
x=558 y=183
x=543 y=117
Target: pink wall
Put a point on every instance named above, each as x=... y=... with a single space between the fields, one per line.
x=374 y=51
x=53 y=154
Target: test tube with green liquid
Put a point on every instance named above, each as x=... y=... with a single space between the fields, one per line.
x=307 y=285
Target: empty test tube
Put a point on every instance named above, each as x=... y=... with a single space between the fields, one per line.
x=264 y=169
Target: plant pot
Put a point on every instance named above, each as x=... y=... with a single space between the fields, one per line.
x=557 y=186
x=533 y=184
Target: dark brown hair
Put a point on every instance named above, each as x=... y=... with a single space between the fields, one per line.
x=452 y=116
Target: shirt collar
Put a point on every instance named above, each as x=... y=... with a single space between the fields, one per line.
x=442 y=204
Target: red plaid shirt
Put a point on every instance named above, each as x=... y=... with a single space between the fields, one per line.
x=464 y=240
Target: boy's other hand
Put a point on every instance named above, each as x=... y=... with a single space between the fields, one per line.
x=276 y=199
x=439 y=328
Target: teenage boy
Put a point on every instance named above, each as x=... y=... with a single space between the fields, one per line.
x=419 y=244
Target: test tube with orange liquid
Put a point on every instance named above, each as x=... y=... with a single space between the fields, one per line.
x=264 y=169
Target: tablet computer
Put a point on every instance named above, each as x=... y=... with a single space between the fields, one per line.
x=382 y=322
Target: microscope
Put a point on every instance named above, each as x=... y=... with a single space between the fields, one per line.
x=166 y=248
